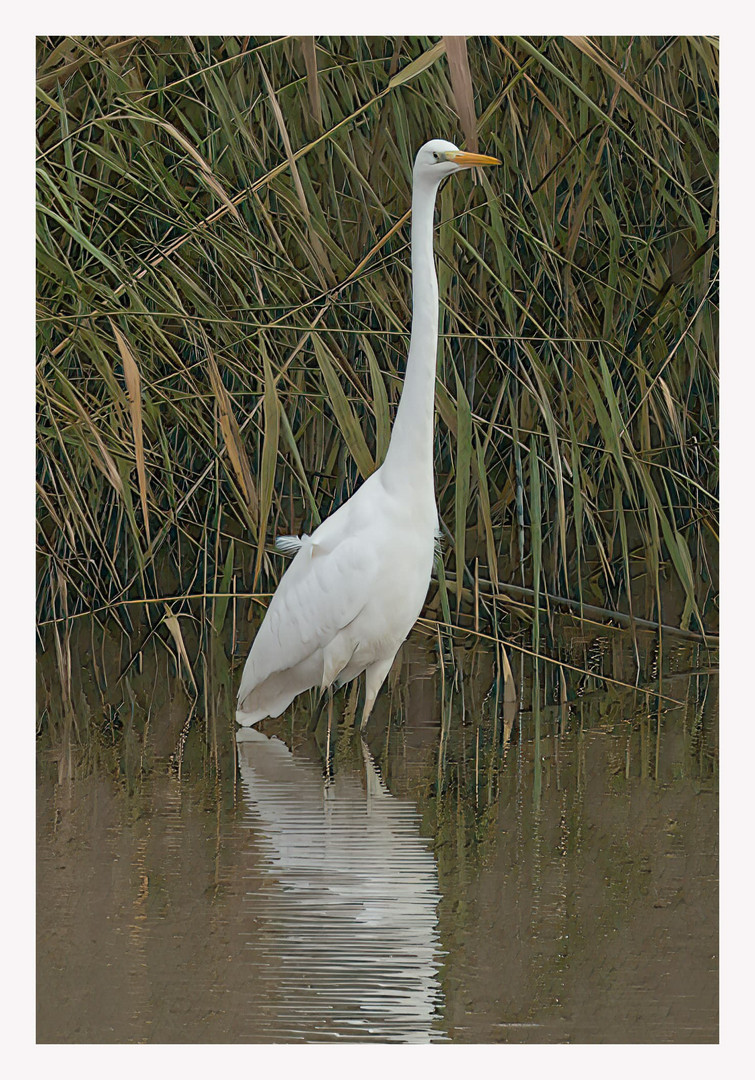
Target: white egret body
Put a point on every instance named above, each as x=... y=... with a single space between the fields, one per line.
x=356 y=586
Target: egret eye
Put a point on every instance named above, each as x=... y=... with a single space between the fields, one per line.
x=436 y=156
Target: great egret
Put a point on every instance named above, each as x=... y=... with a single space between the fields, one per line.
x=356 y=586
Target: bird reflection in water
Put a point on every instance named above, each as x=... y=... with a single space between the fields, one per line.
x=346 y=910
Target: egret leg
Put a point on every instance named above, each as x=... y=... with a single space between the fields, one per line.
x=328 y=772
x=374 y=679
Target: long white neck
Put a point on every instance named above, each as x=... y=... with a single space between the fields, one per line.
x=409 y=461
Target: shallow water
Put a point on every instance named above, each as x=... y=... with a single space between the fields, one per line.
x=469 y=873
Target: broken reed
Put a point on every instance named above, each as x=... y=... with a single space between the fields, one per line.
x=224 y=306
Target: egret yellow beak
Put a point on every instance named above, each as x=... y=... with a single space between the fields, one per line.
x=468 y=161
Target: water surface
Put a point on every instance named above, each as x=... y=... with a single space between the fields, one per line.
x=469 y=873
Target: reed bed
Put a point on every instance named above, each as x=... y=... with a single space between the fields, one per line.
x=224 y=309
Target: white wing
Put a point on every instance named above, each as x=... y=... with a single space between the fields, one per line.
x=328 y=583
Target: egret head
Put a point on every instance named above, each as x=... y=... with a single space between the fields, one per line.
x=438 y=159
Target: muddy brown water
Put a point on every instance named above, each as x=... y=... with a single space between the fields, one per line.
x=469 y=872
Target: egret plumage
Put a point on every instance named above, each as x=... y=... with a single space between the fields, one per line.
x=356 y=586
